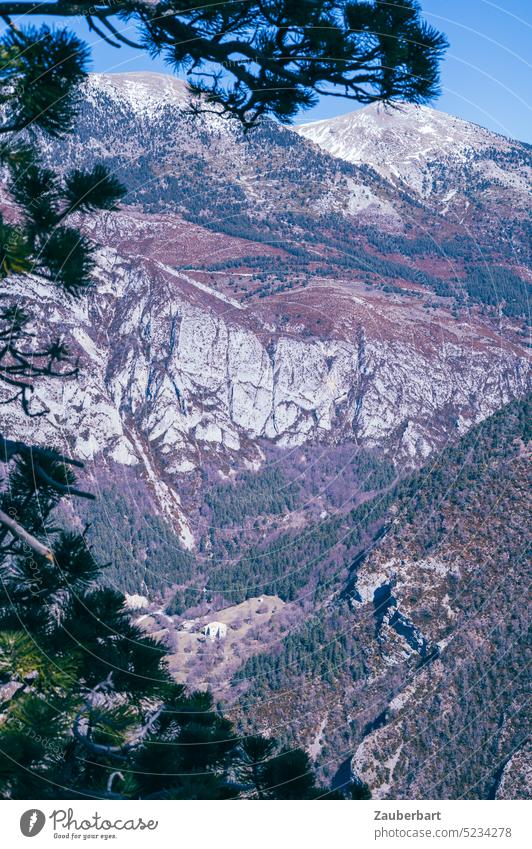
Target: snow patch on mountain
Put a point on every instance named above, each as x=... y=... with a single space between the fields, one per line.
x=142 y=91
x=401 y=142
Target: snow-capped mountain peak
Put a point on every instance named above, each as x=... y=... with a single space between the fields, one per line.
x=143 y=91
x=402 y=142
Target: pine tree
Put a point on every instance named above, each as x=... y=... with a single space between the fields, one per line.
x=264 y=770
x=273 y=57
x=89 y=708
x=86 y=693
x=254 y=754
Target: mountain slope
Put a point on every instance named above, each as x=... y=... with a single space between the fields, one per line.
x=456 y=167
x=254 y=288
x=428 y=640
x=277 y=339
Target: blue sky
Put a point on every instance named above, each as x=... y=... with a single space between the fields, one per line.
x=486 y=76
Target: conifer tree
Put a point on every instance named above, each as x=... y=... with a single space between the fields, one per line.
x=88 y=706
x=252 y=58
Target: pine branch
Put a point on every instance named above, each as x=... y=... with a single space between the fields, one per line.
x=291 y=54
x=120 y=36
x=20 y=532
x=101 y=748
x=51 y=8
x=65 y=489
x=95 y=28
x=10 y=448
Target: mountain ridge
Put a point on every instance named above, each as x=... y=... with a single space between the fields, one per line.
x=252 y=288
x=410 y=144
x=294 y=368
x=158 y=83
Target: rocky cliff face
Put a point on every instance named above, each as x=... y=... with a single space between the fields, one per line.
x=173 y=374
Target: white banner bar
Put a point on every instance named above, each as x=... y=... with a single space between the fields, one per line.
x=268 y=825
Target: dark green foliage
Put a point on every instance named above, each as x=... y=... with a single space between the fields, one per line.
x=39 y=79
x=186 y=767
x=374 y=473
x=281 y=567
x=263 y=493
x=40 y=71
x=316 y=649
x=288 y=53
x=268 y=772
x=254 y=752
x=357 y=790
x=288 y=775
x=183 y=600
x=37 y=191
x=45 y=201
x=143 y=552
x=346 y=250
x=67 y=256
x=15 y=250
x=498 y=286
x=90 y=190
x=460 y=470
x=293 y=560
x=391 y=243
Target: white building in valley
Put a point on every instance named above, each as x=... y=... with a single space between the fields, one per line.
x=136 y=602
x=215 y=630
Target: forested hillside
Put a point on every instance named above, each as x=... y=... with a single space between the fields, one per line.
x=428 y=637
